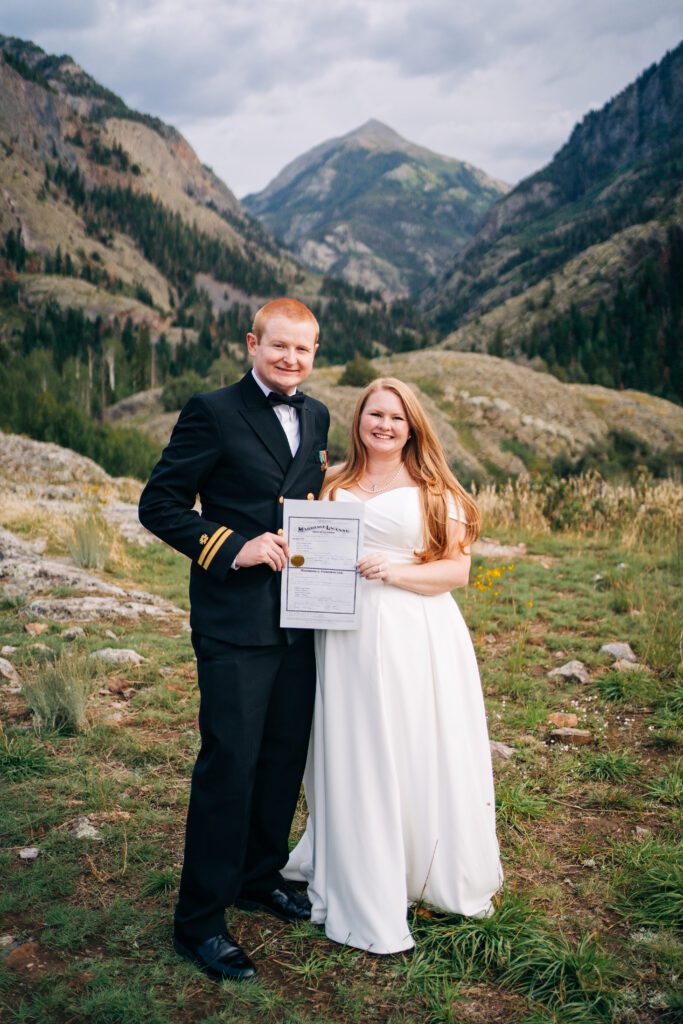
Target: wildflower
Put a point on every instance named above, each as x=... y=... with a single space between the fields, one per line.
x=530 y=604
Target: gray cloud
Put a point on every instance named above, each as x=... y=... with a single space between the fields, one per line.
x=253 y=85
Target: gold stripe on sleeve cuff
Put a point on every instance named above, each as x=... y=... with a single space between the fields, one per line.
x=217 y=545
x=210 y=543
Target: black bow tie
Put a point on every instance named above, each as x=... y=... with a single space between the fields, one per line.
x=296 y=400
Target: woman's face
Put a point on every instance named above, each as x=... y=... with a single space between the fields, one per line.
x=383 y=424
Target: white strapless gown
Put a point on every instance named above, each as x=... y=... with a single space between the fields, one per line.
x=398 y=782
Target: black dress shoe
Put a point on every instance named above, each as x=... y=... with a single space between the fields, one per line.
x=283 y=902
x=220 y=957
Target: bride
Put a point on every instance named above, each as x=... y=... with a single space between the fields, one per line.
x=398 y=782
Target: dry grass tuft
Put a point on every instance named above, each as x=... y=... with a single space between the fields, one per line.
x=90 y=539
x=648 y=511
x=57 y=692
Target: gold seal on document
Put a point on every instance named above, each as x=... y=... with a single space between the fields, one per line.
x=297 y=561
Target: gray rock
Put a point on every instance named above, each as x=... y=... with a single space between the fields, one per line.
x=94 y=609
x=574 y=737
x=118 y=656
x=619 y=651
x=622 y=665
x=501 y=751
x=47 y=476
x=572 y=670
x=29 y=853
x=6 y=941
x=8 y=649
x=8 y=671
x=73 y=633
x=83 y=829
x=23 y=570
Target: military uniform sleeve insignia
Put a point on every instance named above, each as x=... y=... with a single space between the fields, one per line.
x=212 y=545
x=203 y=539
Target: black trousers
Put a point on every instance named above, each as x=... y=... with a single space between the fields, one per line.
x=256 y=706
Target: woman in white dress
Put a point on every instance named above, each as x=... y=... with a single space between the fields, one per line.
x=399 y=783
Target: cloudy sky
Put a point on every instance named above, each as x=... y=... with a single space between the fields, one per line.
x=254 y=83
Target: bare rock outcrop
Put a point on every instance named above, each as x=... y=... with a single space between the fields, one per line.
x=24 y=572
x=48 y=478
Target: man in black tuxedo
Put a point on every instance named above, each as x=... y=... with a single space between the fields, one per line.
x=243 y=449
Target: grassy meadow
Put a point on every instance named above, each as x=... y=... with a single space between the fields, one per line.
x=588 y=926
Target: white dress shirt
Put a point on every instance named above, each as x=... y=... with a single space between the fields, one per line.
x=287 y=415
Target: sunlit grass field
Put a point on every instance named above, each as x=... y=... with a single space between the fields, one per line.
x=588 y=926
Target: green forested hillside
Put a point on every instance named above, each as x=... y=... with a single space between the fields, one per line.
x=124 y=262
x=126 y=265
x=578 y=264
x=634 y=340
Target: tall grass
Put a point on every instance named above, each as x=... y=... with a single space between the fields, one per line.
x=668 y=788
x=57 y=692
x=649 y=511
x=647 y=884
x=90 y=540
x=20 y=757
x=608 y=766
x=517 y=948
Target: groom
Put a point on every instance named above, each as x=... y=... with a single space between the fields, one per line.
x=243 y=449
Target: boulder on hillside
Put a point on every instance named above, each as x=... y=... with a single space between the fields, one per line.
x=8 y=671
x=619 y=651
x=564 y=720
x=118 y=656
x=574 y=737
x=500 y=751
x=573 y=670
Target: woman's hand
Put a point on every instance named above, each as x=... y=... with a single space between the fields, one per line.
x=374 y=567
x=426 y=578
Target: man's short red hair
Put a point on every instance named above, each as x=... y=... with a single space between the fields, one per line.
x=290 y=308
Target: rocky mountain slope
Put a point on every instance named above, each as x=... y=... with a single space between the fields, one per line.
x=53 y=113
x=607 y=209
x=494 y=418
x=375 y=209
x=620 y=167
x=124 y=262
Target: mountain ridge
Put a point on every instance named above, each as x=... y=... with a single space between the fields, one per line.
x=374 y=208
x=603 y=153
x=573 y=267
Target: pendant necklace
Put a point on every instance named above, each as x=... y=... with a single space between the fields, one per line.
x=374 y=488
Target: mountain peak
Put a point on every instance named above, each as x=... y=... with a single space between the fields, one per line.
x=376 y=131
x=364 y=207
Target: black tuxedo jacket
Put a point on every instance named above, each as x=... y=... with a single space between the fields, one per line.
x=229 y=448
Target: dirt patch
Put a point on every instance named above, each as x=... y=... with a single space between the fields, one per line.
x=32 y=959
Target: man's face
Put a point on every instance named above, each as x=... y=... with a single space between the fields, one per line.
x=284 y=356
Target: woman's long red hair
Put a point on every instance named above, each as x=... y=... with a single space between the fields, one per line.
x=425 y=461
